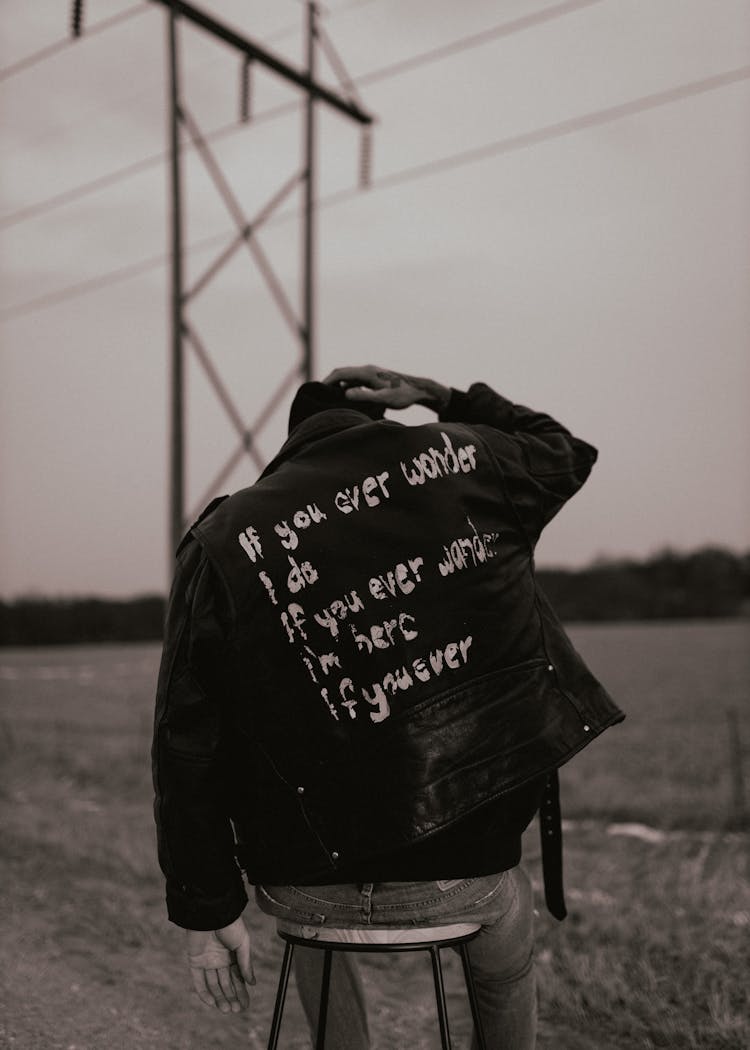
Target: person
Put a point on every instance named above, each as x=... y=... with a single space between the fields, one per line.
x=364 y=695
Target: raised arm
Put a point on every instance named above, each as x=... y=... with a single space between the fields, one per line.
x=541 y=462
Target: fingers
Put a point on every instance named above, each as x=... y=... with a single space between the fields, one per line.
x=221 y=967
x=223 y=988
x=368 y=383
x=231 y=989
x=240 y=986
x=237 y=939
x=201 y=988
x=218 y=965
x=347 y=376
x=381 y=385
x=243 y=960
x=366 y=393
x=219 y=992
x=368 y=377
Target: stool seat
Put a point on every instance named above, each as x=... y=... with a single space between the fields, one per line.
x=379 y=939
x=367 y=935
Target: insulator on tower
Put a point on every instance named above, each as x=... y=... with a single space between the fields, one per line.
x=76 y=20
x=365 y=157
x=246 y=89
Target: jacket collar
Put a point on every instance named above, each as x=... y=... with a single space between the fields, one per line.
x=320 y=425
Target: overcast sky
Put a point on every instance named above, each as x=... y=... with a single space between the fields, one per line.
x=598 y=270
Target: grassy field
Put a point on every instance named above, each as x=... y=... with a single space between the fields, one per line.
x=655 y=952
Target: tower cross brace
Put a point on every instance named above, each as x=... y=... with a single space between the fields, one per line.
x=181 y=330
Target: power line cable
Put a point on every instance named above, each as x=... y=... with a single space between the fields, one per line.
x=394 y=69
x=549 y=132
x=106 y=23
x=61 y=45
x=102 y=182
x=352 y=5
x=485 y=36
x=66 y=42
x=145 y=163
x=141 y=91
x=511 y=144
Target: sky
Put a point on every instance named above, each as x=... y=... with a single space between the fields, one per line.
x=559 y=208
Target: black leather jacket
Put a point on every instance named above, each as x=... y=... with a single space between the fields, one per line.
x=357 y=654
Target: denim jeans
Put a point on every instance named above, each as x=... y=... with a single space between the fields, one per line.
x=501 y=954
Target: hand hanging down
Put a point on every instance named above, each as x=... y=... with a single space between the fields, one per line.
x=220 y=966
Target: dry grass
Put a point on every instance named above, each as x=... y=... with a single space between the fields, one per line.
x=656 y=950
x=653 y=954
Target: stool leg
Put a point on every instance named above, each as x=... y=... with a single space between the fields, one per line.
x=278 y=1010
x=437 y=973
x=473 y=1001
x=325 y=985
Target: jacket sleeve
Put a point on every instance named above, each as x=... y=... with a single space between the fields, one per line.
x=191 y=806
x=542 y=463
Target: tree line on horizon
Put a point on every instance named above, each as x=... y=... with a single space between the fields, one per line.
x=707 y=583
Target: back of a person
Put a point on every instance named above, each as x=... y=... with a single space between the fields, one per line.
x=388 y=633
x=364 y=695
x=369 y=557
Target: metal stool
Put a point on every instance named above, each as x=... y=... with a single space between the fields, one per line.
x=381 y=941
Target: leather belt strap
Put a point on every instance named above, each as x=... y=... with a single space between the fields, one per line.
x=550 y=827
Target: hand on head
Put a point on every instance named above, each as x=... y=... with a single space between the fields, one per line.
x=387 y=387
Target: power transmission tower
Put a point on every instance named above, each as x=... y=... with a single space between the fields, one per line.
x=302 y=327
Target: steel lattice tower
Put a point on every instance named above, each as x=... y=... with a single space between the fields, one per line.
x=303 y=327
